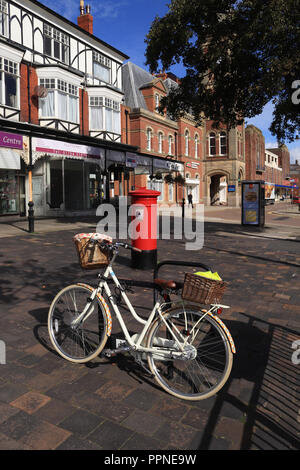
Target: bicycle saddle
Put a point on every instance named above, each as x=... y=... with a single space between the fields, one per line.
x=164 y=284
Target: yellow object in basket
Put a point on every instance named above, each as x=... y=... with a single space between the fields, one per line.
x=209 y=275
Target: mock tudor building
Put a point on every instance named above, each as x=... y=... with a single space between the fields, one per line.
x=60 y=111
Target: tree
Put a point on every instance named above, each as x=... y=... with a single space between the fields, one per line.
x=238 y=56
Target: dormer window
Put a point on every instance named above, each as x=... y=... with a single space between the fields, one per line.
x=3 y=18
x=101 y=67
x=56 y=44
x=157 y=100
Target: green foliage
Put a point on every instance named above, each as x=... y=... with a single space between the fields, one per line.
x=238 y=56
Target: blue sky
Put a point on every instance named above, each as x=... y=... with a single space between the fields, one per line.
x=125 y=23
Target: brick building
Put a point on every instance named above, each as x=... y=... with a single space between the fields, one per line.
x=270 y=165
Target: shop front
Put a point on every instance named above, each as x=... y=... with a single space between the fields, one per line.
x=67 y=179
x=13 y=156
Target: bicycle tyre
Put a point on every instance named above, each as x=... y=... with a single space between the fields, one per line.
x=205 y=374
x=84 y=342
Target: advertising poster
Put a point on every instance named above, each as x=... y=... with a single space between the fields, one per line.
x=251 y=204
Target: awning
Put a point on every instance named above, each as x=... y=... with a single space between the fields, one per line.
x=288 y=187
x=9 y=159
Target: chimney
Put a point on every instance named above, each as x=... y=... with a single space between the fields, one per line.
x=85 y=20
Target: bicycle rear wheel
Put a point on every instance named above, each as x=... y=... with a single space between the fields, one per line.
x=207 y=365
x=84 y=341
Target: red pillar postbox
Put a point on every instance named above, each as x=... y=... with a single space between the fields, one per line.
x=143 y=227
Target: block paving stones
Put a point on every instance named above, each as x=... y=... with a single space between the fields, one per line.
x=47 y=403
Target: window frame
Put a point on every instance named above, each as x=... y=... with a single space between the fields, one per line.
x=105 y=63
x=56 y=37
x=186 y=143
x=4 y=14
x=149 y=139
x=104 y=103
x=60 y=86
x=222 y=137
x=212 y=136
x=9 y=68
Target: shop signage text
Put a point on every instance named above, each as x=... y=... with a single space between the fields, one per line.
x=13 y=141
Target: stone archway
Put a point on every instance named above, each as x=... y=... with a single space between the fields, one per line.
x=216 y=184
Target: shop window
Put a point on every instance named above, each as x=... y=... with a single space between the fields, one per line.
x=55 y=198
x=9 y=192
x=61 y=101
x=74 y=185
x=101 y=67
x=56 y=44
x=212 y=144
x=223 y=143
x=3 y=18
x=9 y=82
x=171 y=192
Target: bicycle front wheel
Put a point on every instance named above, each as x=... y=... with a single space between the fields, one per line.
x=206 y=365
x=77 y=342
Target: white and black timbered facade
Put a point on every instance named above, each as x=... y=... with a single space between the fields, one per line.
x=61 y=87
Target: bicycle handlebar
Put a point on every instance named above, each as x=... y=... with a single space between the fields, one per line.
x=107 y=244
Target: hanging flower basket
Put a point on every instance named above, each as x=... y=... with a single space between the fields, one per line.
x=169 y=179
x=179 y=179
x=158 y=176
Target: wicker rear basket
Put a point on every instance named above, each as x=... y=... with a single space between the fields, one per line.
x=202 y=290
x=90 y=255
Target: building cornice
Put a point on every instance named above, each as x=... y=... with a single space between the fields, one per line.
x=140 y=112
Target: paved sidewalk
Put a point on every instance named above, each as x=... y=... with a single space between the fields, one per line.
x=49 y=403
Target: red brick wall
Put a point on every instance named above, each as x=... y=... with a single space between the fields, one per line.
x=29 y=108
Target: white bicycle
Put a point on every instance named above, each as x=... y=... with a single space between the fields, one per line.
x=189 y=350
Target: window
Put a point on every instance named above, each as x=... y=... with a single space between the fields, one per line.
x=105 y=114
x=171 y=192
x=212 y=144
x=170 y=141
x=149 y=139
x=3 y=18
x=156 y=102
x=160 y=142
x=61 y=101
x=186 y=141
x=102 y=67
x=9 y=79
x=196 y=146
x=56 y=44
x=223 y=143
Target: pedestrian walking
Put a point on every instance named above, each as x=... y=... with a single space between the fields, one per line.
x=190 y=199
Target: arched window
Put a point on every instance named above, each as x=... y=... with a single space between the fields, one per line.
x=149 y=139
x=160 y=142
x=196 y=146
x=186 y=142
x=223 y=143
x=212 y=144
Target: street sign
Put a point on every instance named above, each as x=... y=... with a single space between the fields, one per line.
x=231 y=188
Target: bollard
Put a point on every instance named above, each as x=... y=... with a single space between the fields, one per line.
x=183 y=201
x=30 y=217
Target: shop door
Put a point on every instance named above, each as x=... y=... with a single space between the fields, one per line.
x=74 y=185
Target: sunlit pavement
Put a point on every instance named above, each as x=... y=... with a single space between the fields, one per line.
x=49 y=403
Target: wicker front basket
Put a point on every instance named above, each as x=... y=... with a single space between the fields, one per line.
x=90 y=255
x=202 y=290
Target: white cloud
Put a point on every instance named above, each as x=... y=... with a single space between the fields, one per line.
x=295 y=153
x=108 y=9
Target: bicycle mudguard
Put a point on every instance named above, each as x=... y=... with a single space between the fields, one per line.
x=106 y=308
x=226 y=331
